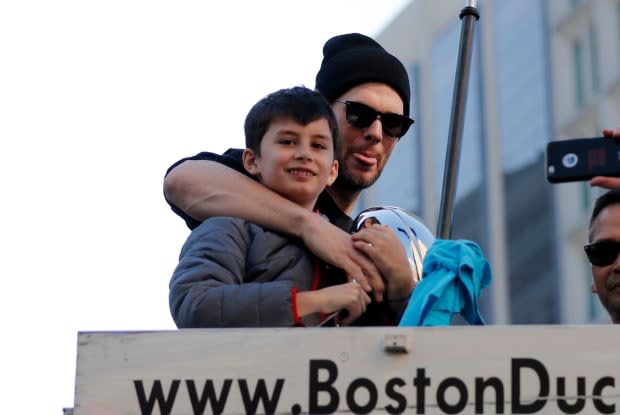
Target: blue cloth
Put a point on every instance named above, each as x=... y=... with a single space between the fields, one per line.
x=453 y=274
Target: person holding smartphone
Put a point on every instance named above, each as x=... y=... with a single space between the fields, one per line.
x=603 y=251
x=605 y=181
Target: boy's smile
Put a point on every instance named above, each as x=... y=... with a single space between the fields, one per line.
x=296 y=161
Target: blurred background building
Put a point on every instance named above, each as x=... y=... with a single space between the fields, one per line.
x=542 y=70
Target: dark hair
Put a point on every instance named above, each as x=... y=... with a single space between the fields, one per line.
x=611 y=197
x=300 y=104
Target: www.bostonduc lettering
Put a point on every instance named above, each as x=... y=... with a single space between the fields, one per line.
x=162 y=402
x=328 y=393
x=491 y=388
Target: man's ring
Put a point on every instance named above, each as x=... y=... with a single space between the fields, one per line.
x=370 y=244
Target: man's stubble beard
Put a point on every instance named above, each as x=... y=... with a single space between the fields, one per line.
x=348 y=181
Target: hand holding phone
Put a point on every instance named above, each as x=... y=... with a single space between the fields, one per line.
x=581 y=159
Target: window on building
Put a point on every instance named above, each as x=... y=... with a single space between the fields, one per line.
x=618 y=28
x=594 y=60
x=575 y=3
x=579 y=71
x=586 y=196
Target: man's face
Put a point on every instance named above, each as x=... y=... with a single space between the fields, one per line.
x=364 y=151
x=606 y=279
x=296 y=161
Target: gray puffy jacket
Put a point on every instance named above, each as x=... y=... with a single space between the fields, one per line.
x=233 y=273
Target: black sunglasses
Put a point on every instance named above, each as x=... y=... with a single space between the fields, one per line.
x=602 y=253
x=361 y=116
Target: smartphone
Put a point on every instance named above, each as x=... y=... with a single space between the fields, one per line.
x=581 y=159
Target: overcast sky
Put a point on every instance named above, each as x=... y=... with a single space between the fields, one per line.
x=97 y=99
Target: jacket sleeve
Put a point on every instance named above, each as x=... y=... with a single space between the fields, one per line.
x=209 y=288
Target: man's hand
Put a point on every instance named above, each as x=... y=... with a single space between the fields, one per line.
x=335 y=246
x=381 y=244
x=604 y=181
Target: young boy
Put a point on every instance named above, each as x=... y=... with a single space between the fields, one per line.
x=234 y=273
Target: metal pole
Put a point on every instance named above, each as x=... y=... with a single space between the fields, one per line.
x=468 y=16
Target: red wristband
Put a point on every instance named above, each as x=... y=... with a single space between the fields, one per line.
x=296 y=318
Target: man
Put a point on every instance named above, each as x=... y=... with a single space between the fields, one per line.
x=603 y=250
x=369 y=91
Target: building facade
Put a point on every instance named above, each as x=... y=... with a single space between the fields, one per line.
x=541 y=70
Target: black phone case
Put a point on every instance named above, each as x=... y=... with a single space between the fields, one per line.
x=581 y=159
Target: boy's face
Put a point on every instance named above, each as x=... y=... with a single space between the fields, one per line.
x=364 y=151
x=606 y=279
x=296 y=161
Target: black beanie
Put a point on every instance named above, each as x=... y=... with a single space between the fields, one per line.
x=353 y=59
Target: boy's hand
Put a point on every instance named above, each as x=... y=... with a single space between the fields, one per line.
x=350 y=297
x=604 y=181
